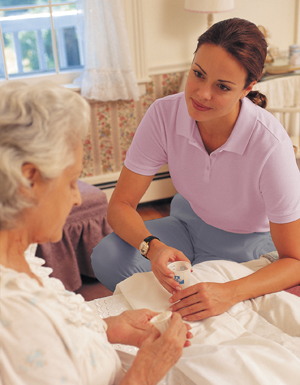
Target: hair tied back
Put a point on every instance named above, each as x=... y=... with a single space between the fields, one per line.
x=257 y=98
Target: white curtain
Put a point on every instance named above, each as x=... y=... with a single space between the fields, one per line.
x=108 y=73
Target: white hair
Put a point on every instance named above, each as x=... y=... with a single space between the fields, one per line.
x=39 y=124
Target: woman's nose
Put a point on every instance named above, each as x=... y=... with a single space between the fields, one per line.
x=77 y=197
x=204 y=92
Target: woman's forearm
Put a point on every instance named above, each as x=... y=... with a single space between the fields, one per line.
x=127 y=224
x=138 y=372
x=155 y=358
x=121 y=213
x=277 y=276
x=207 y=299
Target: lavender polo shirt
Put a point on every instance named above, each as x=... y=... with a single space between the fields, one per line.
x=251 y=179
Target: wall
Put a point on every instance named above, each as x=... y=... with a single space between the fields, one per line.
x=171 y=33
x=113 y=127
x=162 y=40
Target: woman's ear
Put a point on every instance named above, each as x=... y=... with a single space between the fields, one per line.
x=248 y=89
x=31 y=173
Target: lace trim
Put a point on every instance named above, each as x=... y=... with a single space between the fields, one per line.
x=112 y=306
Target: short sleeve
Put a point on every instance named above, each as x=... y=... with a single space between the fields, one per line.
x=147 y=152
x=280 y=184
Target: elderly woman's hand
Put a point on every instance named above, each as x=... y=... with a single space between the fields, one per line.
x=158 y=354
x=132 y=327
x=129 y=328
x=203 y=300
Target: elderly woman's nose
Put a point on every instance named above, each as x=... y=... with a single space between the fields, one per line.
x=77 y=197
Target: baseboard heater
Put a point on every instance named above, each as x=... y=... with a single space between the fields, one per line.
x=161 y=186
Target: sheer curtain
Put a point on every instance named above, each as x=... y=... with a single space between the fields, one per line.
x=108 y=73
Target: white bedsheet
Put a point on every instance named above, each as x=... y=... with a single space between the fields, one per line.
x=256 y=342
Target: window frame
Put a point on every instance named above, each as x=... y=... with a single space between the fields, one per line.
x=134 y=15
x=58 y=76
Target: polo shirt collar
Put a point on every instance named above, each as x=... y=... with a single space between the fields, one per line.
x=243 y=129
x=241 y=133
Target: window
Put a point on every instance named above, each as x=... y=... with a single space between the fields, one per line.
x=39 y=37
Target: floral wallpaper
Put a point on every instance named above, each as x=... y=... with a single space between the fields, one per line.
x=114 y=124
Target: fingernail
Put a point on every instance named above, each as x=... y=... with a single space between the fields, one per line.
x=171 y=300
x=178 y=288
x=171 y=275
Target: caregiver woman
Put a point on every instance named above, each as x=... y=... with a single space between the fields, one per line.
x=234 y=168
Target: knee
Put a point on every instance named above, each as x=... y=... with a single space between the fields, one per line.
x=104 y=254
x=113 y=260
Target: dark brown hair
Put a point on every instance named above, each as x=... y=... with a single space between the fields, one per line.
x=243 y=40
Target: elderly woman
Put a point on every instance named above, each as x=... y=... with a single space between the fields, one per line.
x=49 y=335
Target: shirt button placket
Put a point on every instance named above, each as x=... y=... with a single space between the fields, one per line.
x=207 y=170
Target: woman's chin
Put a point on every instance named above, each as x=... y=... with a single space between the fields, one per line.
x=54 y=238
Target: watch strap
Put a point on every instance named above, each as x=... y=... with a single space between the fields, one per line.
x=148 y=240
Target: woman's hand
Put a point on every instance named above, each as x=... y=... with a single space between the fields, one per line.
x=132 y=327
x=158 y=354
x=203 y=300
x=160 y=255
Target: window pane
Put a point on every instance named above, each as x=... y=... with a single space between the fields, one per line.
x=2 y=70
x=69 y=50
x=49 y=57
x=30 y=60
x=21 y=3
x=27 y=40
x=27 y=35
x=10 y=54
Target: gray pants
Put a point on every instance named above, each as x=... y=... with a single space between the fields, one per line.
x=114 y=260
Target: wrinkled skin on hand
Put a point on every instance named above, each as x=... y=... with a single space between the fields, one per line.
x=158 y=353
x=132 y=327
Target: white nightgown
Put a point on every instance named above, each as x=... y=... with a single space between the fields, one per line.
x=49 y=335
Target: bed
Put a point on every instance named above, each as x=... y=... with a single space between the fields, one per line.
x=85 y=226
x=256 y=342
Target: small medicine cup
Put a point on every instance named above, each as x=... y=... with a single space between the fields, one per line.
x=162 y=321
x=182 y=272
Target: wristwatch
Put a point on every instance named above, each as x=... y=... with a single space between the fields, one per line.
x=145 y=245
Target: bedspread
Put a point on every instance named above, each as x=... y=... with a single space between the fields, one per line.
x=256 y=342
x=85 y=226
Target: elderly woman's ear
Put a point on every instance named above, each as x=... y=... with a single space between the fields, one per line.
x=30 y=172
x=33 y=176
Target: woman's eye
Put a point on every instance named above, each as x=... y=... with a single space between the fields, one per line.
x=223 y=87
x=198 y=74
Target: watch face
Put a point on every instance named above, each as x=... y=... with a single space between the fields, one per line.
x=144 y=248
